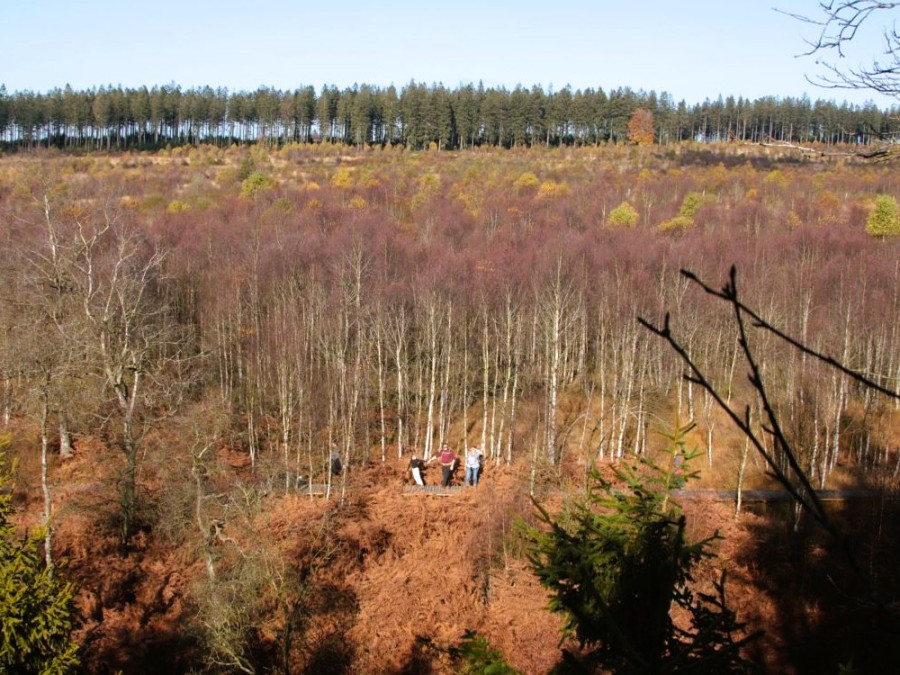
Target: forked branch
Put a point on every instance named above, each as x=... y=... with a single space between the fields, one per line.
x=729 y=294
x=838 y=24
x=797 y=483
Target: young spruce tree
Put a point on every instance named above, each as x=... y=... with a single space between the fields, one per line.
x=618 y=564
x=36 y=614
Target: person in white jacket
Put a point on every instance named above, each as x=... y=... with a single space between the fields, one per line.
x=473 y=466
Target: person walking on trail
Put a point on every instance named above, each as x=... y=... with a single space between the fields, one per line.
x=473 y=466
x=447 y=458
x=417 y=468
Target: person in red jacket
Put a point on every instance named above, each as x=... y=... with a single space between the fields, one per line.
x=448 y=460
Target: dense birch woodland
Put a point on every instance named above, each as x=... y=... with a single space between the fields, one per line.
x=417 y=116
x=385 y=301
x=208 y=324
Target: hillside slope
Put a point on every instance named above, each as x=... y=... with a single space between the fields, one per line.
x=388 y=581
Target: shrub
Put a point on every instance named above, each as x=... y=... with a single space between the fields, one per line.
x=526 y=181
x=255 y=183
x=884 y=221
x=676 y=224
x=624 y=215
x=428 y=186
x=245 y=168
x=282 y=205
x=551 y=188
x=342 y=178
x=776 y=177
x=199 y=202
x=692 y=203
x=151 y=203
x=475 y=655
x=177 y=207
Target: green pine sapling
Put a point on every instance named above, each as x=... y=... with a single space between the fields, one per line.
x=618 y=565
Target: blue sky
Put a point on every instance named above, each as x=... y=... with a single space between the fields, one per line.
x=693 y=49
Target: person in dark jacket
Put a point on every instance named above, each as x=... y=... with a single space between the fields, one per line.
x=336 y=465
x=417 y=469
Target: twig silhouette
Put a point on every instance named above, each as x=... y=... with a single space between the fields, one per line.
x=797 y=484
x=759 y=322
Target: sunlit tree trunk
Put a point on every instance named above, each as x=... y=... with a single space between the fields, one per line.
x=740 y=479
x=65 y=435
x=485 y=379
x=379 y=349
x=398 y=335
x=45 y=482
x=444 y=403
x=601 y=367
x=283 y=343
x=554 y=306
x=508 y=326
x=433 y=327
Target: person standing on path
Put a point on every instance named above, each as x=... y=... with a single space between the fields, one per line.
x=417 y=468
x=678 y=470
x=335 y=459
x=473 y=466
x=448 y=459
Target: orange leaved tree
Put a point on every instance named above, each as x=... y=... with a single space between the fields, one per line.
x=640 y=127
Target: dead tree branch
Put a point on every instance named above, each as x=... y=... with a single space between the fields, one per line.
x=839 y=24
x=795 y=479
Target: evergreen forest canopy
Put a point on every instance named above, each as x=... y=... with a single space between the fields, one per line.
x=417 y=116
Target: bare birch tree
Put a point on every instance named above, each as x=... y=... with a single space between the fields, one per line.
x=117 y=275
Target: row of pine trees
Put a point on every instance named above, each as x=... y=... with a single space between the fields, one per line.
x=416 y=116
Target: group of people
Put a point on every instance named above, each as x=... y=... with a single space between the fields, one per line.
x=447 y=459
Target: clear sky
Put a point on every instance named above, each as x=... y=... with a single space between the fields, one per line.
x=692 y=49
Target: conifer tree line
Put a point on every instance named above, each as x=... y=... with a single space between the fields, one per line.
x=415 y=116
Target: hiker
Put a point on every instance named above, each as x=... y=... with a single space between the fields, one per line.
x=678 y=472
x=473 y=466
x=417 y=468
x=335 y=461
x=448 y=461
